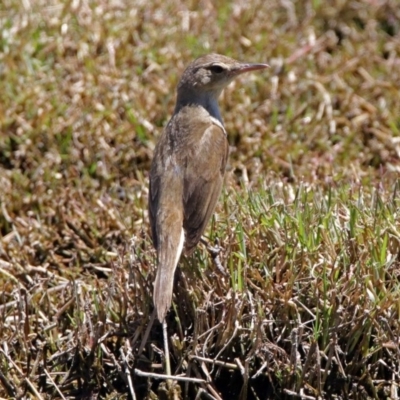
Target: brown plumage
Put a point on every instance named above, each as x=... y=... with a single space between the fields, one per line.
x=188 y=167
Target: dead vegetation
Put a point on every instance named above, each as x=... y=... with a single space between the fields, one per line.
x=307 y=303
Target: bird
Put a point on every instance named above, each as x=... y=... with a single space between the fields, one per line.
x=188 y=167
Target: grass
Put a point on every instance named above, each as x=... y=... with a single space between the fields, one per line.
x=306 y=301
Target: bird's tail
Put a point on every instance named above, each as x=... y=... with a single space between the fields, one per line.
x=169 y=249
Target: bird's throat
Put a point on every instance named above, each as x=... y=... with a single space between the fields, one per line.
x=207 y=100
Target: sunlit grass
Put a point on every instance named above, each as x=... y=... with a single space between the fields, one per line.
x=308 y=301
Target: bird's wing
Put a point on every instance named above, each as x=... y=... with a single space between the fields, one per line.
x=166 y=185
x=166 y=217
x=154 y=195
x=203 y=180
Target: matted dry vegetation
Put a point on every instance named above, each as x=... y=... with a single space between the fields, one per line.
x=308 y=302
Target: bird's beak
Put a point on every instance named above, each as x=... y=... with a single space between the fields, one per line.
x=241 y=68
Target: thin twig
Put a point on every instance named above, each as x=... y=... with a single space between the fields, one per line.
x=8 y=386
x=206 y=384
x=215 y=362
x=127 y=370
x=138 y=372
x=308 y=361
x=30 y=384
x=203 y=393
x=301 y=396
x=54 y=384
x=146 y=334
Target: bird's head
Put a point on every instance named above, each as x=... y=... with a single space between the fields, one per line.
x=213 y=72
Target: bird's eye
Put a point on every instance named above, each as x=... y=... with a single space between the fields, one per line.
x=216 y=68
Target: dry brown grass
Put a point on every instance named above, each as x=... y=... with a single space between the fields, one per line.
x=308 y=223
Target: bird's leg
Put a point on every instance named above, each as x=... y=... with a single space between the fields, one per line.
x=214 y=253
x=166 y=352
x=166 y=348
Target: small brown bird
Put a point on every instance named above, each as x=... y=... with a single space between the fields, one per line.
x=188 y=167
